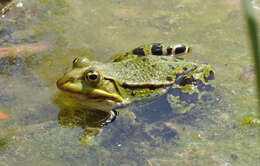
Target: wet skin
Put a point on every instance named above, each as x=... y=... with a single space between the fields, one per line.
x=143 y=73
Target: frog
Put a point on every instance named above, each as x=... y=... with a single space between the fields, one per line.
x=139 y=75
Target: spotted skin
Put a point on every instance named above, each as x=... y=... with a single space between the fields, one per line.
x=156 y=49
x=145 y=72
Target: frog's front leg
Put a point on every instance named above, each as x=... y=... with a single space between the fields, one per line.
x=156 y=49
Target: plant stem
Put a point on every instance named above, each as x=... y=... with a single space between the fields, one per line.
x=253 y=37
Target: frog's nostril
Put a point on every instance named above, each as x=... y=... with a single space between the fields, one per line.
x=189 y=49
x=59 y=83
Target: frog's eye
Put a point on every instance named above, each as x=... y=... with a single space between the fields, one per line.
x=75 y=60
x=92 y=77
x=80 y=62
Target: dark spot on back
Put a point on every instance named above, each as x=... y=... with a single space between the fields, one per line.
x=126 y=54
x=145 y=59
x=184 y=68
x=177 y=76
x=184 y=81
x=133 y=93
x=171 y=67
x=157 y=49
x=196 y=82
x=153 y=65
x=139 y=56
x=169 y=78
x=152 y=88
x=124 y=85
x=139 y=51
x=169 y=50
x=180 y=49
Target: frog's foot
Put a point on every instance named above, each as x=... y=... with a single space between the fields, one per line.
x=156 y=49
x=112 y=117
x=191 y=87
x=197 y=77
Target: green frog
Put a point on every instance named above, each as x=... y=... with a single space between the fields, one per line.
x=144 y=73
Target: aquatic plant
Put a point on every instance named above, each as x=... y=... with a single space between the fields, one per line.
x=253 y=38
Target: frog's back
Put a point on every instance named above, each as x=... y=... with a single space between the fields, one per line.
x=146 y=69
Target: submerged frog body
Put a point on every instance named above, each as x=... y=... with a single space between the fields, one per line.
x=143 y=73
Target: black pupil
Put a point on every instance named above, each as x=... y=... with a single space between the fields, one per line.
x=93 y=77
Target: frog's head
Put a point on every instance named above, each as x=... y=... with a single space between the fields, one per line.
x=88 y=85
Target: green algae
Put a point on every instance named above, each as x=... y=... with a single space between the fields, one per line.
x=251 y=121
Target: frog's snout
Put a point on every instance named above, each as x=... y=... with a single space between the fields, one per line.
x=59 y=83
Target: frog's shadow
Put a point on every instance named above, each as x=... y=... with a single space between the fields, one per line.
x=151 y=112
x=160 y=109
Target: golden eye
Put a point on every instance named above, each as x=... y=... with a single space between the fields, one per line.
x=92 y=77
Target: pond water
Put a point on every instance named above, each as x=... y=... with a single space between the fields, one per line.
x=44 y=37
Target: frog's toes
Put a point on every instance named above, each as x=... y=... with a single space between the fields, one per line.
x=112 y=117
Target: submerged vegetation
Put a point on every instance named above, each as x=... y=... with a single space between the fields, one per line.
x=46 y=35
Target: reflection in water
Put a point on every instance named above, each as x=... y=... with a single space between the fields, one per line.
x=214 y=29
x=91 y=121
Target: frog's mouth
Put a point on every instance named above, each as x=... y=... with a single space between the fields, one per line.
x=88 y=94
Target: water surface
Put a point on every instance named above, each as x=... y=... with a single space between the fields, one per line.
x=223 y=133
